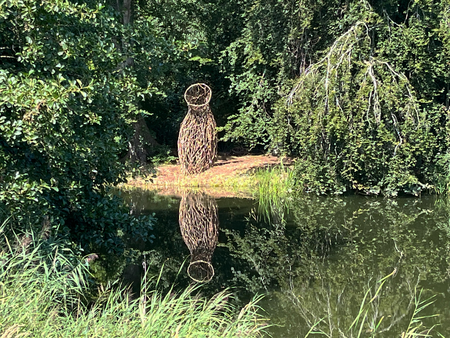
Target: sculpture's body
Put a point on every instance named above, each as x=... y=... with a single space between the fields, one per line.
x=197 y=141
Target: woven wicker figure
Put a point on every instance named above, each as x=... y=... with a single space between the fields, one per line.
x=197 y=141
x=199 y=225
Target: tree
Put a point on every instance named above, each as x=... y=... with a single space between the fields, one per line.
x=357 y=89
x=66 y=105
x=141 y=144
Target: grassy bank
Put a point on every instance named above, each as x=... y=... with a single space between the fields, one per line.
x=235 y=176
x=43 y=293
x=268 y=183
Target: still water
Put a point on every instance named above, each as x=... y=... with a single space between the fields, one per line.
x=315 y=260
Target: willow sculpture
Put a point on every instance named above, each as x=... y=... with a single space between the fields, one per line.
x=199 y=224
x=197 y=141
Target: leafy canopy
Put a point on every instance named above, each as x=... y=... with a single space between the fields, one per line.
x=66 y=103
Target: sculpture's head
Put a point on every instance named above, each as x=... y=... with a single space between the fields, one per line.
x=198 y=95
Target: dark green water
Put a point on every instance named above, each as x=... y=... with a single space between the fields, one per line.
x=313 y=262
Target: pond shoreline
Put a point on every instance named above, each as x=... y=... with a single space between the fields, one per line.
x=229 y=177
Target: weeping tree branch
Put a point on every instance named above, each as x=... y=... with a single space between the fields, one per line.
x=325 y=77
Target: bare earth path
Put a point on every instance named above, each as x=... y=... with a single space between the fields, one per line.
x=170 y=181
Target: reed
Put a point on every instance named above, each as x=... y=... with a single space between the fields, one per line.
x=45 y=294
x=274 y=191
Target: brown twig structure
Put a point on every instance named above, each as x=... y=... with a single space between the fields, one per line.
x=199 y=225
x=197 y=141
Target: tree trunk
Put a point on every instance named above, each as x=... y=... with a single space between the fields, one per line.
x=142 y=142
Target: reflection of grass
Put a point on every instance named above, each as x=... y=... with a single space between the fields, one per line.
x=271 y=186
x=368 y=321
x=221 y=185
x=43 y=295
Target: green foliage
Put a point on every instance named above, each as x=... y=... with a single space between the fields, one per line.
x=163 y=156
x=66 y=103
x=358 y=91
x=359 y=123
x=252 y=72
x=356 y=123
x=279 y=39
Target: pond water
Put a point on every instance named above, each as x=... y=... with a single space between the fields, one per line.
x=314 y=260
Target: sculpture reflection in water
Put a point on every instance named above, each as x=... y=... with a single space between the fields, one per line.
x=199 y=225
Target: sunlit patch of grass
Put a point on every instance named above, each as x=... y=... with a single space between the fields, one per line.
x=272 y=186
x=44 y=293
x=242 y=187
x=240 y=182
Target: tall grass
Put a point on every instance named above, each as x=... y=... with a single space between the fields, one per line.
x=274 y=191
x=46 y=295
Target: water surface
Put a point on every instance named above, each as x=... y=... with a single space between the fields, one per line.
x=314 y=261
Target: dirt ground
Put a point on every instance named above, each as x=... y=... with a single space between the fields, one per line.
x=170 y=181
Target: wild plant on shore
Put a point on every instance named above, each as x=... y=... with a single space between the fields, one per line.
x=45 y=293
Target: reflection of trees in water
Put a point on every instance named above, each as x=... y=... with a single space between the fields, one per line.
x=320 y=263
x=199 y=225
